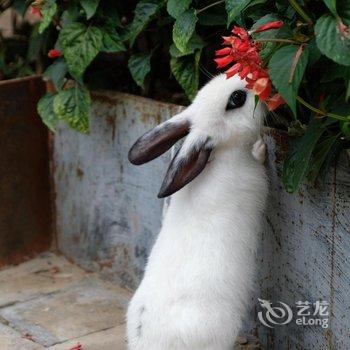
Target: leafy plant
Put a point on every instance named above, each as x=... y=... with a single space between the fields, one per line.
x=307 y=60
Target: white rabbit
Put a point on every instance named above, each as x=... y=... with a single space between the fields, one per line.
x=200 y=273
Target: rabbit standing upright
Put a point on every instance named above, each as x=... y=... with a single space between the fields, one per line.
x=200 y=272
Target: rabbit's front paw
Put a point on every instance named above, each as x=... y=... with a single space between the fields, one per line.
x=259 y=150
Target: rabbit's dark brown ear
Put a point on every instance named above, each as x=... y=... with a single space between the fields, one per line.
x=158 y=140
x=184 y=168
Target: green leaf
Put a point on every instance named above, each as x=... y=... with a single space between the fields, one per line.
x=320 y=154
x=195 y=43
x=73 y=106
x=332 y=41
x=332 y=154
x=314 y=52
x=80 y=45
x=56 y=72
x=215 y=17
x=48 y=10
x=345 y=128
x=90 y=7
x=71 y=14
x=184 y=28
x=234 y=8
x=144 y=12
x=280 y=67
x=296 y=163
x=347 y=93
x=139 y=66
x=177 y=7
x=285 y=9
x=343 y=7
x=109 y=14
x=111 y=41
x=267 y=49
x=186 y=72
x=332 y=5
x=36 y=43
x=46 y=111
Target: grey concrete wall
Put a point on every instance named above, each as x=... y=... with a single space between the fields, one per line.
x=107 y=210
x=108 y=216
x=305 y=256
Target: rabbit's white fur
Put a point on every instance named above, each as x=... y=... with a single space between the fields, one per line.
x=200 y=272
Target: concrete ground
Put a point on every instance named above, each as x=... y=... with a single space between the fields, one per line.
x=49 y=303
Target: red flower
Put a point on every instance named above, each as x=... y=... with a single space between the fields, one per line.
x=223 y=52
x=76 y=347
x=262 y=88
x=233 y=70
x=275 y=101
x=241 y=50
x=223 y=61
x=54 y=53
x=36 y=10
x=240 y=32
x=269 y=25
x=343 y=29
x=244 y=72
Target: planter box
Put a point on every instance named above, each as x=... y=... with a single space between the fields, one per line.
x=25 y=215
x=107 y=211
x=108 y=216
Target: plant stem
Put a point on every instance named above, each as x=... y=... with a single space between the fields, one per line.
x=276 y=40
x=324 y=114
x=211 y=5
x=301 y=12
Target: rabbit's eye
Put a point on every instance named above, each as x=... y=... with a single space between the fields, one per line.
x=236 y=100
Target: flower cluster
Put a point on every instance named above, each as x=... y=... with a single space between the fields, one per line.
x=54 y=53
x=36 y=7
x=241 y=50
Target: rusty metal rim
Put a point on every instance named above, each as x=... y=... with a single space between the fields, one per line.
x=16 y=80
